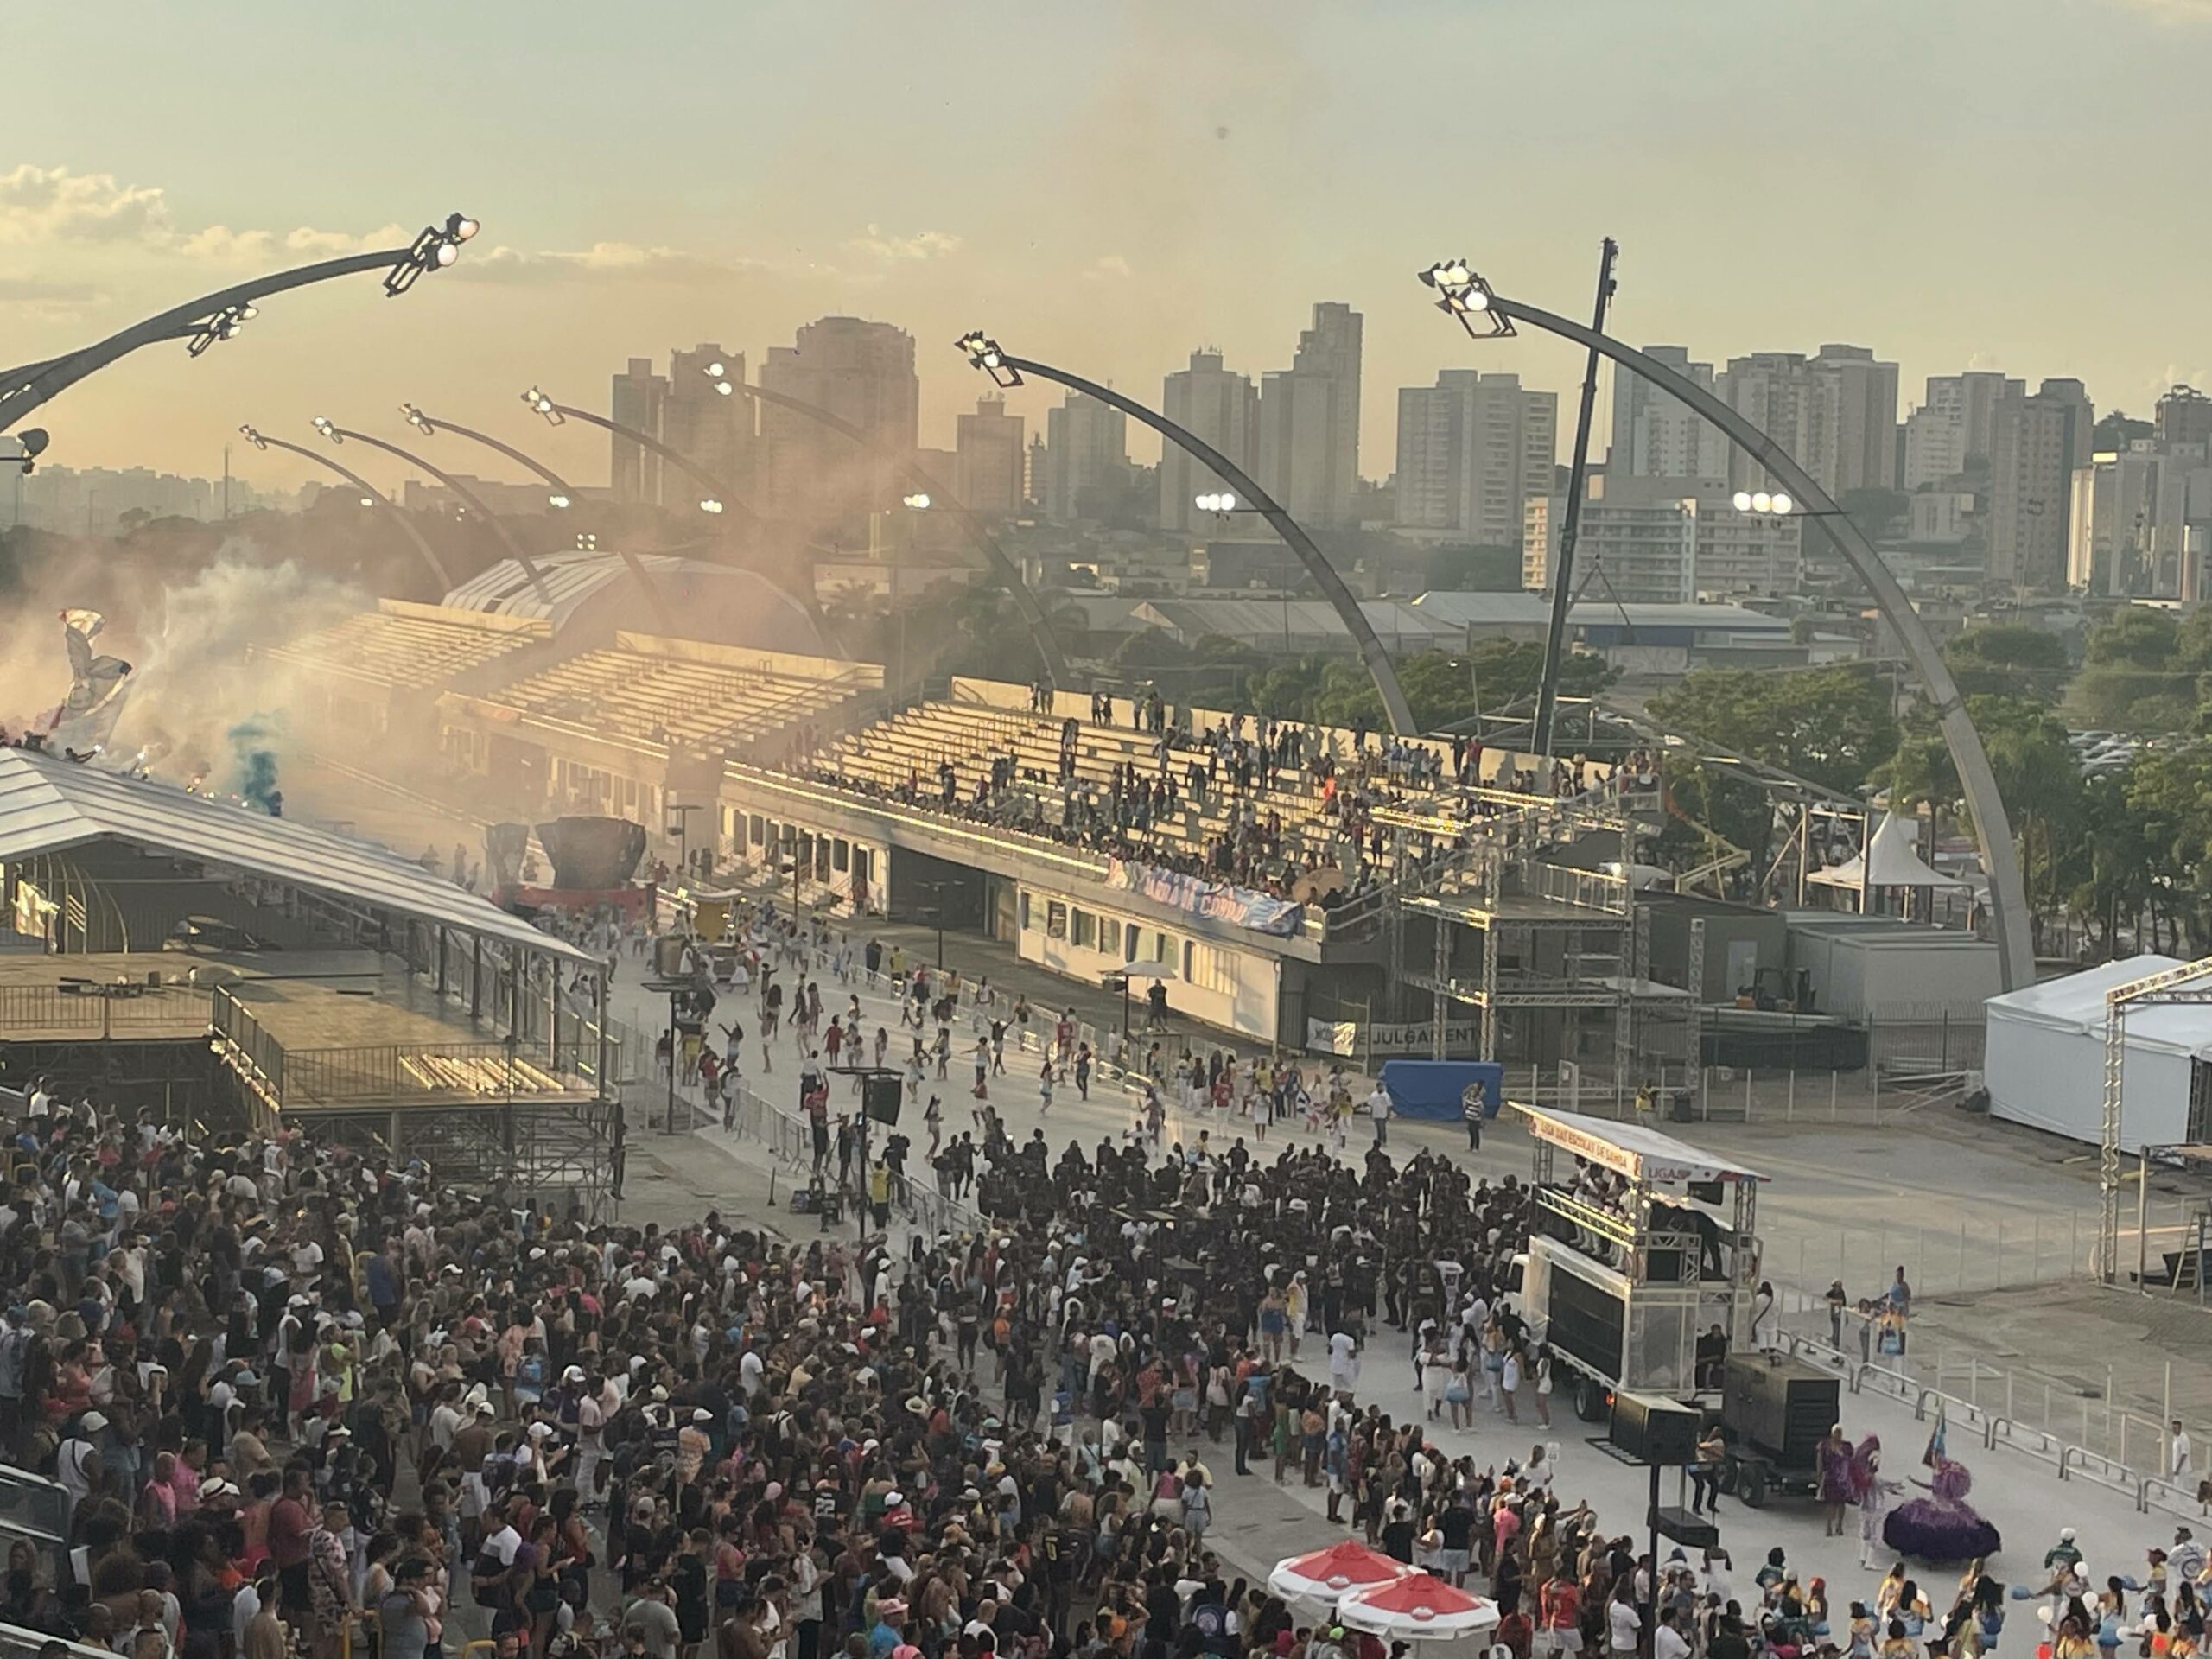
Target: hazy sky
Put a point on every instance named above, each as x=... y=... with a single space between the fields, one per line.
x=2019 y=184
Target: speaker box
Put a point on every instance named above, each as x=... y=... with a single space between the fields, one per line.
x=880 y=1098
x=1652 y=1429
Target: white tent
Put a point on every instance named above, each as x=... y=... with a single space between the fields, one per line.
x=2046 y=1057
x=1892 y=860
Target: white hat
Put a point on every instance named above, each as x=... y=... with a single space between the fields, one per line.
x=91 y=1422
x=701 y=1414
x=574 y=1374
x=539 y=1431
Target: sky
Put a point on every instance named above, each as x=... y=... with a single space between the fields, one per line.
x=2013 y=184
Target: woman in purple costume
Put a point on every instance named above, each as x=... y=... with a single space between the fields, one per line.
x=1943 y=1526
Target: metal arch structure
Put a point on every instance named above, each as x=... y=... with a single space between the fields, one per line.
x=2008 y=898
x=2191 y=983
x=446 y=584
x=941 y=498
x=1371 y=650
x=469 y=498
x=48 y=379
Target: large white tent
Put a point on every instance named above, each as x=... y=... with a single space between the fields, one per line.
x=2046 y=1057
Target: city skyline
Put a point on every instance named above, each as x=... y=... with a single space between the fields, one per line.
x=1154 y=203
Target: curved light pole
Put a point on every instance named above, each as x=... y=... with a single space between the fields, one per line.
x=475 y=503
x=1465 y=296
x=220 y=315
x=1007 y=369
x=260 y=439
x=925 y=484
x=719 y=497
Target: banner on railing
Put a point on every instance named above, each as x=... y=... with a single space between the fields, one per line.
x=1240 y=906
x=1348 y=1038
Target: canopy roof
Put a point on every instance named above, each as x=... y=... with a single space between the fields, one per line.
x=1892 y=860
x=1630 y=1149
x=49 y=803
x=2075 y=1004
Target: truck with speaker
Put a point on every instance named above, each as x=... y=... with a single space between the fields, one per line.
x=1643 y=1256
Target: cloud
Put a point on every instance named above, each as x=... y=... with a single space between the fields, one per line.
x=601 y=260
x=52 y=203
x=32 y=290
x=904 y=249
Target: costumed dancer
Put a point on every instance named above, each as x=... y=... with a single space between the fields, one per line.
x=1873 y=1494
x=1943 y=1526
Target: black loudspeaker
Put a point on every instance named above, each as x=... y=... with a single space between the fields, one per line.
x=1654 y=1429
x=880 y=1098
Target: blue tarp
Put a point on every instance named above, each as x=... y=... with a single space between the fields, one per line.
x=1432 y=1089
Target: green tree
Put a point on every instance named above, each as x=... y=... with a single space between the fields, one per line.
x=2133 y=678
x=2009 y=661
x=1833 y=726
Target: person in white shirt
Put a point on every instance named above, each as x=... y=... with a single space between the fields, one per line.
x=1623 y=1623
x=1667 y=1642
x=2179 y=1466
x=1344 y=1360
x=1378 y=1110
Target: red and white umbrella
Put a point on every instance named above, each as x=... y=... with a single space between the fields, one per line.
x=1418 y=1608
x=1326 y=1574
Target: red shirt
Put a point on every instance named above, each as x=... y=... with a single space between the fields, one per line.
x=288 y=1532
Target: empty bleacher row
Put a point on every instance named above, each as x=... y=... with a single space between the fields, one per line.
x=399 y=645
x=640 y=695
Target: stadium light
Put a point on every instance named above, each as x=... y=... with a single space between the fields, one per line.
x=323 y=424
x=918 y=501
x=437 y=247
x=983 y=352
x=24 y=447
x=419 y=420
x=1462 y=293
x=1221 y=502
x=540 y=404
x=707 y=504
x=556 y=501
x=220 y=325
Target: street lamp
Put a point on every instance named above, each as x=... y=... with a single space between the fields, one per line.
x=1007 y=370
x=1760 y=501
x=1462 y=293
x=222 y=325
x=709 y=503
x=984 y=354
x=437 y=247
x=918 y=502
x=1223 y=502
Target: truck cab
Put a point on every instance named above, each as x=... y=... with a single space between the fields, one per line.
x=1643 y=1258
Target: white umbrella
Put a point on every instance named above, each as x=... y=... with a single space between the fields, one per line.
x=1418 y=1608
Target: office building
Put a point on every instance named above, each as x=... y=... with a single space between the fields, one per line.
x=714 y=433
x=1656 y=435
x=1218 y=406
x=1954 y=429
x=989 y=460
x=1472 y=450
x=2040 y=442
x=1308 y=443
x=1086 y=453
x=637 y=400
x=863 y=373
x=104 y=500
x=1836 y=412
x=1737 y=554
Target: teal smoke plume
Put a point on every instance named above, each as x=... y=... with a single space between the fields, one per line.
x=255 y=764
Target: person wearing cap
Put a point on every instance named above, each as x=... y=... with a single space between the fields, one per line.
x=76 y=1460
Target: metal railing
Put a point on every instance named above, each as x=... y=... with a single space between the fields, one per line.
x=92 y=1009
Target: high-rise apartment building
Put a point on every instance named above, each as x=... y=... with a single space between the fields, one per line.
x=714 y=433
x=863 y=373
x=639 y=395
x=1642 y=553
x=1218 y=406
x=1737 y=554
x=989 y=462
x=1086 y=452
x=2136 y=516
x=1656 y=435
x=1836 y=413
x=1472 y=450
x=1308 y=447
x=1954 y=428
x=2039 y=443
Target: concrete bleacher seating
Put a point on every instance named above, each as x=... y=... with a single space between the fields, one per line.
x=402 y=646
x=642 y=697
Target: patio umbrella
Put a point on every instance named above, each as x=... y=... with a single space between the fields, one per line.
x=1136 y=969
x=1417 y=1608
x=1326 y=1575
